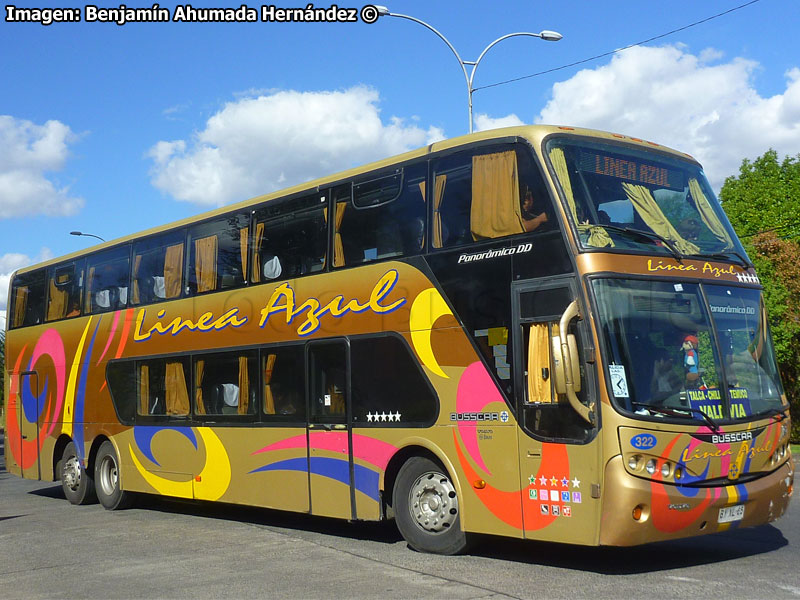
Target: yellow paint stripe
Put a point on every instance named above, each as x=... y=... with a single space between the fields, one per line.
x=733 y=497
x=179 y=489
x=69 y=401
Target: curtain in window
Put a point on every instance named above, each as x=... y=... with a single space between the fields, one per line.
x=87 y=309
x=495 y=210
x=539 y=388
x=173 y=269
x=598 y=237
x=57 y=302
x=137 y=262
x=20 y=304
x=244 y=386
x=243 y=235
x=707 y=213
x=438 y=195
x=205 y=263
x=199 y=405
x=177 y=396
x=257 y=252
x=338 y=247
x=651 y=214
x=144 y=390
x=269 y=400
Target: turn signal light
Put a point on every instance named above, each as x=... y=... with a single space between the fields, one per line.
x=479 y=484
x=637 y=513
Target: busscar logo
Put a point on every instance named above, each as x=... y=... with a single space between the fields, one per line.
x=728 y=438
x=475 y=416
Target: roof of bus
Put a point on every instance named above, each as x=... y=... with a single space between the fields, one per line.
x=534 y=133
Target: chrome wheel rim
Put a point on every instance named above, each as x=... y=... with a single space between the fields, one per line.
x=433 y=503
x=108 y=475
x=71 y=473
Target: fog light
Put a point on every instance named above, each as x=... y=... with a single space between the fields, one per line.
x=650 y=467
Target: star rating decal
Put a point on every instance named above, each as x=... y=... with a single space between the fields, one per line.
x=747 y=278
x=391 y=417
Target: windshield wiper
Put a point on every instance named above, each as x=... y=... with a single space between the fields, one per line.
x=677 y=412
x=650 y=235
x=779 y=414
x=726 y=256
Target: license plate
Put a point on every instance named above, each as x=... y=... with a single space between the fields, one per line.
x=731 y=513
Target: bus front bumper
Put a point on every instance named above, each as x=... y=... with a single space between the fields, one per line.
x=667 y=511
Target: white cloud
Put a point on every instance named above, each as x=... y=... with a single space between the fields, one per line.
x=691 y=103
x=484 y=122
x=258 y=144
x=28 y=152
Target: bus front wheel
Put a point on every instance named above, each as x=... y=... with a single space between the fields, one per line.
x=107 y=480
x=76 y=481
x=426 y=508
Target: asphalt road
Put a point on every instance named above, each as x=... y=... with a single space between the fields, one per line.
x=169 y=549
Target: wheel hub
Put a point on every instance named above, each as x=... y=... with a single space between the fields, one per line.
x=433 y=502
x=71 y=473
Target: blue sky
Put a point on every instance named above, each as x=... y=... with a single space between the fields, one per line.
x=114 y=129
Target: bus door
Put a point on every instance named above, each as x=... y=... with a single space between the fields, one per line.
x=29 y=413
x=330 y=459
x=560 y=452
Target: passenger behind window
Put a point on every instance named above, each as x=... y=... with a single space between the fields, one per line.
x=534 y=214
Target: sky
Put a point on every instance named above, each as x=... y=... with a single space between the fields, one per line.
x=112 y=129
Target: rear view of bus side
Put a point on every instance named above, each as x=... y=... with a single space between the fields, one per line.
x=541 y=332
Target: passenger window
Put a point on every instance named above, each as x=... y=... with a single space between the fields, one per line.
x=290 y=239
x=385 y=219
x=107 y=281
x=65 y=288
x=158 y=268
x=162 y=389
x=218 y=254
x=27 y=299
x=488 y=194
x=284 y=383
x=387 y=386
x=225 y=384
x=121 y=378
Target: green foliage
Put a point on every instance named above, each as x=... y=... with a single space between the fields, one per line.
x=763 y=205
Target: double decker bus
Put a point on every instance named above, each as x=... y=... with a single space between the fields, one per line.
x=541 y=332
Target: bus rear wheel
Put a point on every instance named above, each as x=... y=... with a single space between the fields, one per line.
x=76 y=481
x=107 y=479
x=426 y=508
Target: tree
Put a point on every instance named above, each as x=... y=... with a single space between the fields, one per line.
x=763 y=205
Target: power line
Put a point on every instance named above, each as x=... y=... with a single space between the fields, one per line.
x=585 y=60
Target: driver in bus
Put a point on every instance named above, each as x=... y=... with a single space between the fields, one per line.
x=530 y=219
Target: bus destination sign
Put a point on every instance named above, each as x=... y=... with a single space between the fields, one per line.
x=632 y=170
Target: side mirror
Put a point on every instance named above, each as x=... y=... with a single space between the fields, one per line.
x=567 y=367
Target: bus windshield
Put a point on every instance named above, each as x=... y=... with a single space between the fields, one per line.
x=687 y=350
x=623 y=198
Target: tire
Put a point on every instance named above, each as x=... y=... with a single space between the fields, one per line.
x=107 y=480
x=76 y=481
x=426 y=508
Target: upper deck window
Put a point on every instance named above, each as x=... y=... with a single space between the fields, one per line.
x=158 y=268
x=218 y=254
x=625 y=198
x=384 y=217
x=290 y=238
x=488 y=193
x=27 y=299
x=107 y=281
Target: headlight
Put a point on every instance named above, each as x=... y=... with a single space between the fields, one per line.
x=633 y=462
x=665 y=470
x=650 y=467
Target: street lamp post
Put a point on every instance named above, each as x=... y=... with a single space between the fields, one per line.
x=547 y=35
x=86 y=235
